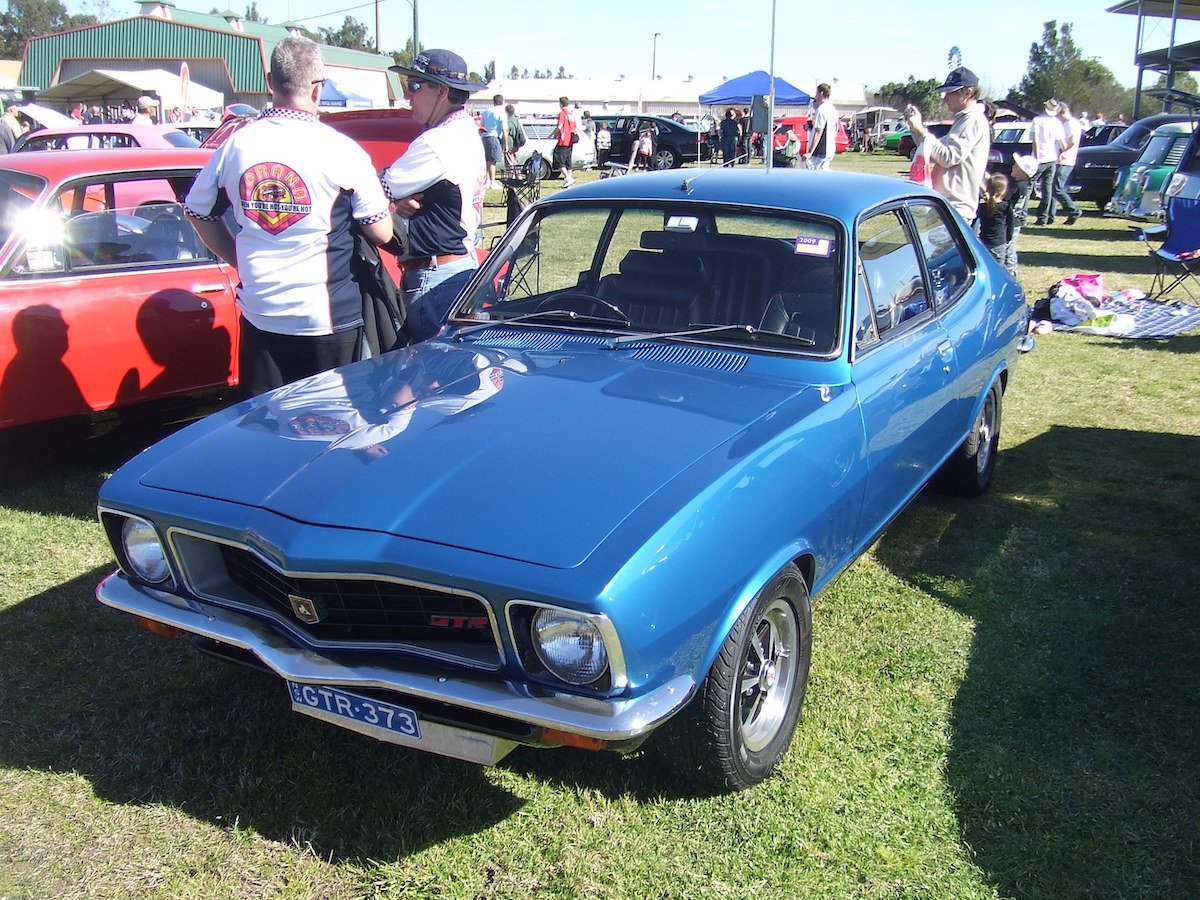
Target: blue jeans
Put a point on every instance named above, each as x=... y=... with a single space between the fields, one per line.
x=1060 y=190
x=1044 y=179
x=430 y=292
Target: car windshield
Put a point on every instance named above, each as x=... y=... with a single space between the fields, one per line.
x=665 y=268
x=18 y=191
x=180 y=139
x=1011 y=135
x=1157 y=149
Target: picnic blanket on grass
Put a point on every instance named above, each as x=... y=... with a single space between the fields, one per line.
x=1151 y=319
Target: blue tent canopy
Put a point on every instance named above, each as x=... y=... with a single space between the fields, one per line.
x=332 y=95
x=740 y=90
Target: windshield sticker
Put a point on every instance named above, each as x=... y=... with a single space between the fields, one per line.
x=814 y=246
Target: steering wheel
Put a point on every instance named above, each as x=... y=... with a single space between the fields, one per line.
x=573 y=300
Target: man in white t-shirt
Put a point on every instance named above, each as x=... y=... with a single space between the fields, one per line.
x=1072 y=135
x=438 y=187
x=822 y=144
x=1048 y=143
x=147 y=110
x=293 y=184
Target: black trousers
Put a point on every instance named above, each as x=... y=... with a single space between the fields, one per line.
x=267 y=360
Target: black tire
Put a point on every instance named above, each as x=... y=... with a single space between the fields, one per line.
x=740 y=723
x=542 y=173
x=665 y=158
x=968 y=473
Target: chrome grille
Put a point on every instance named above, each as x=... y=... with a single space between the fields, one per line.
x=361 y=610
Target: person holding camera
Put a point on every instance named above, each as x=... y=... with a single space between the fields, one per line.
x=959 y=159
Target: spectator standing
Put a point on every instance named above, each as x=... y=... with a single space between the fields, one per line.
x=514 y=139
x=587 y=133
x=645 y=149
x=494 y=123
x=823 y=143
x=960 y=158
x=147 y=110
x=1048 y=142
x=438 y=187
x=564 y=140
x=94 y=116
x=10 y=129
x=76 y=113
x=1020 y=187
x=603 y=145
x=1072 y=135
x=294 y=185
x=791 y=150
x=729 y=138
x=996 y=216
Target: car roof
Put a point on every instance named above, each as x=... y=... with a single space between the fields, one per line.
x=1175 y=128
x=56 y=166
x=840 y=195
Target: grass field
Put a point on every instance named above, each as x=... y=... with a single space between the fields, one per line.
x=1004 y=700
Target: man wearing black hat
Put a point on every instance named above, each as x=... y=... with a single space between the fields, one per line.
x=960 y=158
x=438 y=187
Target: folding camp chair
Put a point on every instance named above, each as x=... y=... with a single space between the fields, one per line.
x=616 y=169
x=523 y=185
x=1177 y=260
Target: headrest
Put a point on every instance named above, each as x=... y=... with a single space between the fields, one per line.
x=662 y=265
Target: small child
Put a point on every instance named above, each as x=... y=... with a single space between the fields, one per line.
x=995 y=216
x=645 y=150
x=1020 y=188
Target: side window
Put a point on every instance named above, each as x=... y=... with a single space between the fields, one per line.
x=892 y=271
x=951 y=266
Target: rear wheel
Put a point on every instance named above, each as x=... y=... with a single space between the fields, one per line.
x=536 y=169
x=968 y=473
x=740 y=723
x=665 y=158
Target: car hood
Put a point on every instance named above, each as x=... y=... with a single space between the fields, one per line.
x=536 y=457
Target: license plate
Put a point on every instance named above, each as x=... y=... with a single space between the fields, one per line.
x=353 y=711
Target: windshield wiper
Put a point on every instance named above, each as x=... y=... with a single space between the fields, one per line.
x=749 y=330
x=525 y=317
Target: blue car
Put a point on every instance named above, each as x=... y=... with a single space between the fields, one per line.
x=668 y=411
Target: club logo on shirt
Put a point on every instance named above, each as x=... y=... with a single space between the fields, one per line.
x=274 y=196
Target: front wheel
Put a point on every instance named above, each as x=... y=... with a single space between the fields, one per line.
x=968 y=473
x=740 y=723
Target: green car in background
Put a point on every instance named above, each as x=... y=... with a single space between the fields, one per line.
x=891 y=140
x=1138 y=193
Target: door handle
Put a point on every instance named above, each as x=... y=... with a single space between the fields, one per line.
x=945 y=348
x=208 y=288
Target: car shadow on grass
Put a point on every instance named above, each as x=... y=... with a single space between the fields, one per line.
x=1073 y=763
x=1072 y=261
x=150 y=721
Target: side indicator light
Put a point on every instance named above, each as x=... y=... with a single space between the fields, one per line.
x=567 y=739
x=166 y=631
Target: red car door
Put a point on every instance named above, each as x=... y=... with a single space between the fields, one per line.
x=112 y=300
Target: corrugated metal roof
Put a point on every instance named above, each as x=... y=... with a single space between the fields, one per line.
x=186 y=35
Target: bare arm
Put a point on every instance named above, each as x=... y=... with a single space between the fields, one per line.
x=217 y=238
x=379 y=232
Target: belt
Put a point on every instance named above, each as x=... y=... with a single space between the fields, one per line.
x=425 y=262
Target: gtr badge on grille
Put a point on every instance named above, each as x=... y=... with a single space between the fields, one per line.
x=307 y=609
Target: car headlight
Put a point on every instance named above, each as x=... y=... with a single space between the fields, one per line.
x=569 y=645
x=144 y=551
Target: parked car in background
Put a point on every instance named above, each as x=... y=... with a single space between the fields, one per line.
x=1139 y=189
x=1094 y=176
x=1099 y=135
x=674 y=417
x=101 y=137
x=675 y=143
x=1009 y=138
x=107 y=296
x=800 y=124
x=906 y=146
x=540 y=139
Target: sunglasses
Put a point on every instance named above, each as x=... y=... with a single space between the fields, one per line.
x=415 y=84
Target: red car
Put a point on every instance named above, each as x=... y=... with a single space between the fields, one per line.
x=799 y=124
x=107 y=296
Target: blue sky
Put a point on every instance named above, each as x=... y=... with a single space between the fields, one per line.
x=869 y=41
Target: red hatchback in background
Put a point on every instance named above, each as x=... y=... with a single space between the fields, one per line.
x=107 y=296
x=800 y=125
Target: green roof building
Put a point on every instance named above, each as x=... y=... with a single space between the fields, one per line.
x=186 y=59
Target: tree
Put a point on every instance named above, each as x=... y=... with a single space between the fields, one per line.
x=1057 y=68
x=404 y=57
x=252 y=13
x=352 y=35
x=1184 y=81
x=489 y=71
x=27 y=19
x=922 y=94
x=514 y=72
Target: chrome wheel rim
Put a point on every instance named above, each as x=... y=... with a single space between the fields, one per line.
x=767 y=676
x=987 y=434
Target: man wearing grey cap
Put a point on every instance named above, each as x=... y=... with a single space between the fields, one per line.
x=960 y=158
x=437 y=187
x=147 y=109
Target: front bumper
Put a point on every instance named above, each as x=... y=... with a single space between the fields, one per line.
x=614 y=721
